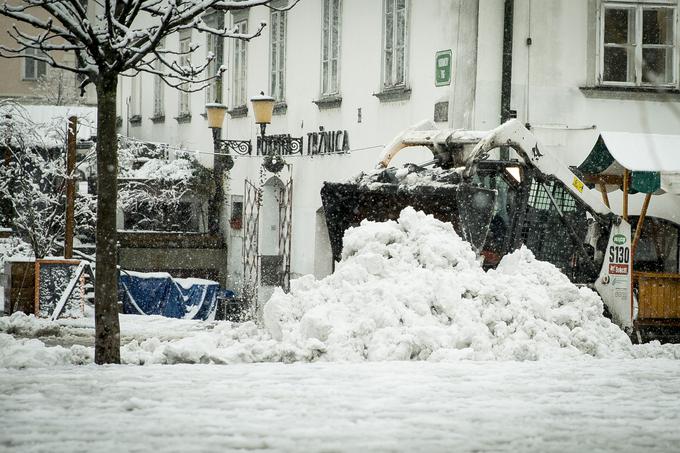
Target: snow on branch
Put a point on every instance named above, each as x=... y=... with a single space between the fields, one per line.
x=117 y=36
x=223 y=32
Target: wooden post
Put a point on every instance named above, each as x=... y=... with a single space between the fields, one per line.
x=603 y=191
x=638 y=228
x=626 y=183
x=70 y=186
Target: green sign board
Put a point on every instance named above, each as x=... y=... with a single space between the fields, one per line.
x=443 y=63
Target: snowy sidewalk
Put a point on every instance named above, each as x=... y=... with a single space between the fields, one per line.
x=588 y=405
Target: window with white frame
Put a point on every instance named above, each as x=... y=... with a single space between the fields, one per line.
x=158 y=88
x=277 y=55
x=638 y=44
x=215 y=46
x=395 y=52
x=184 y=108
x=136 y=97
x=240 y=66
x=330 y=47
x=33 y=68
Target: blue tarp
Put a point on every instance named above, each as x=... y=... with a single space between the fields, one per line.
x=159 y=294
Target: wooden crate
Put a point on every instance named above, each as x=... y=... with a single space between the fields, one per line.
x=20 y=286
x=658 y=296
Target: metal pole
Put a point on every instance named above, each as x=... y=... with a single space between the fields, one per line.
x=626 y=182
x=263 y=128
x=216 y=201
x=70 y=186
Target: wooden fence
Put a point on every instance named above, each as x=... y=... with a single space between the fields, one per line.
x=658 y=297
x=20 y=286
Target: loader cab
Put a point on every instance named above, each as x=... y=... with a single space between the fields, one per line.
x=542 y=214
x=505 y=177
x=497 y=206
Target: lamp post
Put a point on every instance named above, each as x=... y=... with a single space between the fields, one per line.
x=263 y=109
x=215 y=112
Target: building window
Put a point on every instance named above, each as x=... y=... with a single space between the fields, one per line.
x=158 y=88
x=33 y=69
x=638 y=45
x=215 y=46
x=277 y=56
x=236 y=218
x=135 y=107
x=240 y=66
x=330 y=47
x=184 y=108
x=395 y=51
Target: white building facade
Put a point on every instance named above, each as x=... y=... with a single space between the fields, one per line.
x=363 y=70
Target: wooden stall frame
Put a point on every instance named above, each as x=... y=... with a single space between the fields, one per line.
x=672 y=278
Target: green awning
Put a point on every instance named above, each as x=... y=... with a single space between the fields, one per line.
x=601 y=161
x=645 y=182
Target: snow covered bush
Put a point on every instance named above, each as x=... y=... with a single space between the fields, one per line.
x=33 y=181
x=160 y=194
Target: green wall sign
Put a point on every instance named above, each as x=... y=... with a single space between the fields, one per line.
x=443 y=62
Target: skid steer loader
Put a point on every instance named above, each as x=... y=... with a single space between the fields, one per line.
x=496 y=205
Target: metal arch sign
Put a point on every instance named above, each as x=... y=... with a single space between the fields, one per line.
x=443 y=64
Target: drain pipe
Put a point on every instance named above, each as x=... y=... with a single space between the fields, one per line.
x=506 y=76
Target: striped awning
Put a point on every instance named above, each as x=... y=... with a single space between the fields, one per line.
x=653 y=161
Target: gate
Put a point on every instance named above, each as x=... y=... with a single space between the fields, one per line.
x=251 y=266
x=285 y=230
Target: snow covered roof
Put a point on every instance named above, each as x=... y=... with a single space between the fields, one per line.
x=644 y=152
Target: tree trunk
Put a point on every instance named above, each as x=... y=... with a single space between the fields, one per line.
x=107 y=327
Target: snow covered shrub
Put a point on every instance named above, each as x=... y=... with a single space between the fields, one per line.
x=160 y=194
x=86 y=217
x=32 y=183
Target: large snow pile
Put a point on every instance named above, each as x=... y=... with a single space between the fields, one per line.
x=406 y=289
x=413 y=289
x=32 y=353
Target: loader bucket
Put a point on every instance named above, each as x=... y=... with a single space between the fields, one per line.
x=467 y=207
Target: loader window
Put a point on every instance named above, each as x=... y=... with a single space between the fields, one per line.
x=497 y=239
x=545 y=233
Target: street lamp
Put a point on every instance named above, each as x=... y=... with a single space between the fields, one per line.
x=215 y=112
x=263 y=109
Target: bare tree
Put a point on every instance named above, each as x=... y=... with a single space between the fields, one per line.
x=122 y=36
x=59 y=87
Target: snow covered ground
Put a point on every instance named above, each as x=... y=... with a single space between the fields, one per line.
x=408 y=346
x=582 y=405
